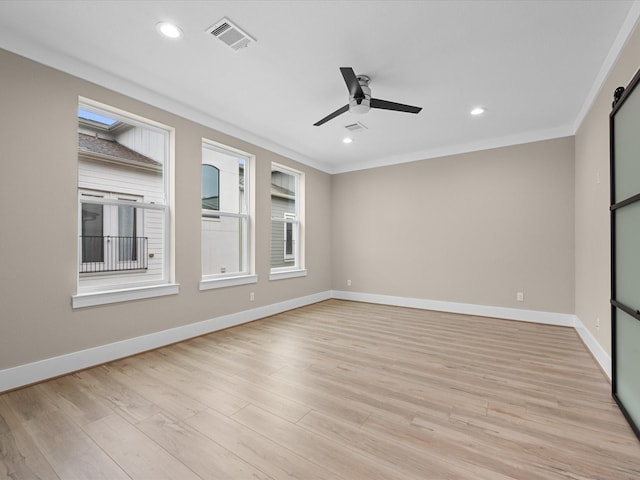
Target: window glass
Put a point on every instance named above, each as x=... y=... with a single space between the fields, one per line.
x=127 y=233
x=285 y=219
x=92 y=227
x=210 y=187
x=225 y=234
x=289 y=241
x=123 y=200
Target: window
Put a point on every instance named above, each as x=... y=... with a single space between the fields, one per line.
x=123 y=206
x=286 y=223
x=210 y=187
x=92 y=229
x=289 y=240
x=226 y=218
x=111 y=235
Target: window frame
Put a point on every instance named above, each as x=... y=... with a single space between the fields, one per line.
x=245 y=213
x=133 y=290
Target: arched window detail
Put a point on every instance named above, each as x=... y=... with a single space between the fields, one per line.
x=210 y=187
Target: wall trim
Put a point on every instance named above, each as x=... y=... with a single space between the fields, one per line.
x=621 y=40
x=41 y=370
x=550 y=318
x=91 y=299
x=599 y=354
x=19 y=45
x=27 y=374
x=223 y=282
x=24 y=47
x=452 y=150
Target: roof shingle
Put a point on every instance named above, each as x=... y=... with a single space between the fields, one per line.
x=110 y=148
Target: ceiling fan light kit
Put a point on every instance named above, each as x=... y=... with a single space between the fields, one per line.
x=360 y=101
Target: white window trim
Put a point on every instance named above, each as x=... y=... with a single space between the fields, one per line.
x=133 y=291
x=231 y=281
x=286 y=272
x=123 y=295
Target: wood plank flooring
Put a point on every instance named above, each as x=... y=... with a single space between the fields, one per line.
x=337 y=390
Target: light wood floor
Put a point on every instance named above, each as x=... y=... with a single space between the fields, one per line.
x=336 y=390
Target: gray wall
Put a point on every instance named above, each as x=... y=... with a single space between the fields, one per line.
x=593 y=264
x=38 y=237
x=473 y=228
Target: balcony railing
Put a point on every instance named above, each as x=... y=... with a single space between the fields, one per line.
x=112 y=254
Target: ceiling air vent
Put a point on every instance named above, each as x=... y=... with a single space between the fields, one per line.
x=355 y=127
x=230 y=34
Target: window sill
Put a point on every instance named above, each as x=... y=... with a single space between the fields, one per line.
x=123 y=295
x=212 y=283
x=281 y=275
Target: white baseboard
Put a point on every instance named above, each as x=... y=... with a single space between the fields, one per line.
x=27 y=374
x=551 y=318
x=599 y=353
x=52 y=367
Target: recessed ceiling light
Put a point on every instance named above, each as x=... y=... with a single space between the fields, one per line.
x=478 y=111
x=169 y=30
x=347 y=140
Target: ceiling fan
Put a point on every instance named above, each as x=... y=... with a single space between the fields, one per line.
x=360 y=100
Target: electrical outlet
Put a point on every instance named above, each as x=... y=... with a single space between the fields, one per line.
x=520 y=296
x=348 y=283
x=598 y=323
x=252 y=296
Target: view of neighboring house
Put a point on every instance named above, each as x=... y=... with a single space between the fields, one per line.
x=283 y=205
x=119 y=164
x=224 y=214
x=224 y=223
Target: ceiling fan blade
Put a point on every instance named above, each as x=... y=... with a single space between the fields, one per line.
x=340 y=111
x=399 y=107
x=353 y=85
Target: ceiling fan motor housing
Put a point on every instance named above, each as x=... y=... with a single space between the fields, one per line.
x=361 y=105
x=360 y=100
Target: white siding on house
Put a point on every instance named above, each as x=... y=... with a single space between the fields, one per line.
x=147 y=142
x=279 y=206
x=107 y=177
x=110 y=177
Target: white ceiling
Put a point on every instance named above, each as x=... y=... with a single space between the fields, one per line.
x=535 y=65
